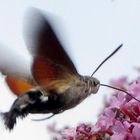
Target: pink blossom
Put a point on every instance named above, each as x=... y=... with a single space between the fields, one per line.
x=134 y=88
x=136 y=131
x=117 y=101
x=121 y=82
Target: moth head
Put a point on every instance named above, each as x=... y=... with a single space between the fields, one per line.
x=95 y=85
x=92 y=84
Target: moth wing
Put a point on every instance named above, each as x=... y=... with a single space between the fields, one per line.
x=18 y=87
x=16 y=67
x=52 y=76
x=15 y=63
x=43 y=42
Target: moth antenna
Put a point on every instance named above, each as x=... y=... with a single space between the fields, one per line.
x=120 y=90
x=43 y=119
x=107 y=58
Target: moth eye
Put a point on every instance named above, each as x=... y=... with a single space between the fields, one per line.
x=94 y=83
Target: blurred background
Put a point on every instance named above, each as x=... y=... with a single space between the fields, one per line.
x=90 y=30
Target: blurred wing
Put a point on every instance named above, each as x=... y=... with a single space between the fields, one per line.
x=43 y=42
x=18 y=87
x=15 y=63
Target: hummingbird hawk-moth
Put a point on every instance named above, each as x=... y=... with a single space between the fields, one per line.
x=54 y=84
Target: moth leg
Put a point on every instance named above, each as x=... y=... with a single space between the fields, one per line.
x=48 y=117
x=43 y=119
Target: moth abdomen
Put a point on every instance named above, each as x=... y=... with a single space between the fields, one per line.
x=32 y=102
x=9 y=120
x=11 y=116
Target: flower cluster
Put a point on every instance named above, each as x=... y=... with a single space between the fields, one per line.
x=120 y=119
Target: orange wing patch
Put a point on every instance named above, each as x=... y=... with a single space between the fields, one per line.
x=18 y=87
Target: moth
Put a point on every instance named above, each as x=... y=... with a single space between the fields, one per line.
x=54 y=84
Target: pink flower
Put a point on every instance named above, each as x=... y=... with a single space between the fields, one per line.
x=120 y=131
x=105 y=120
x=134 y=88
x=117 y=101
x=136 y=131
x=120 y=83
